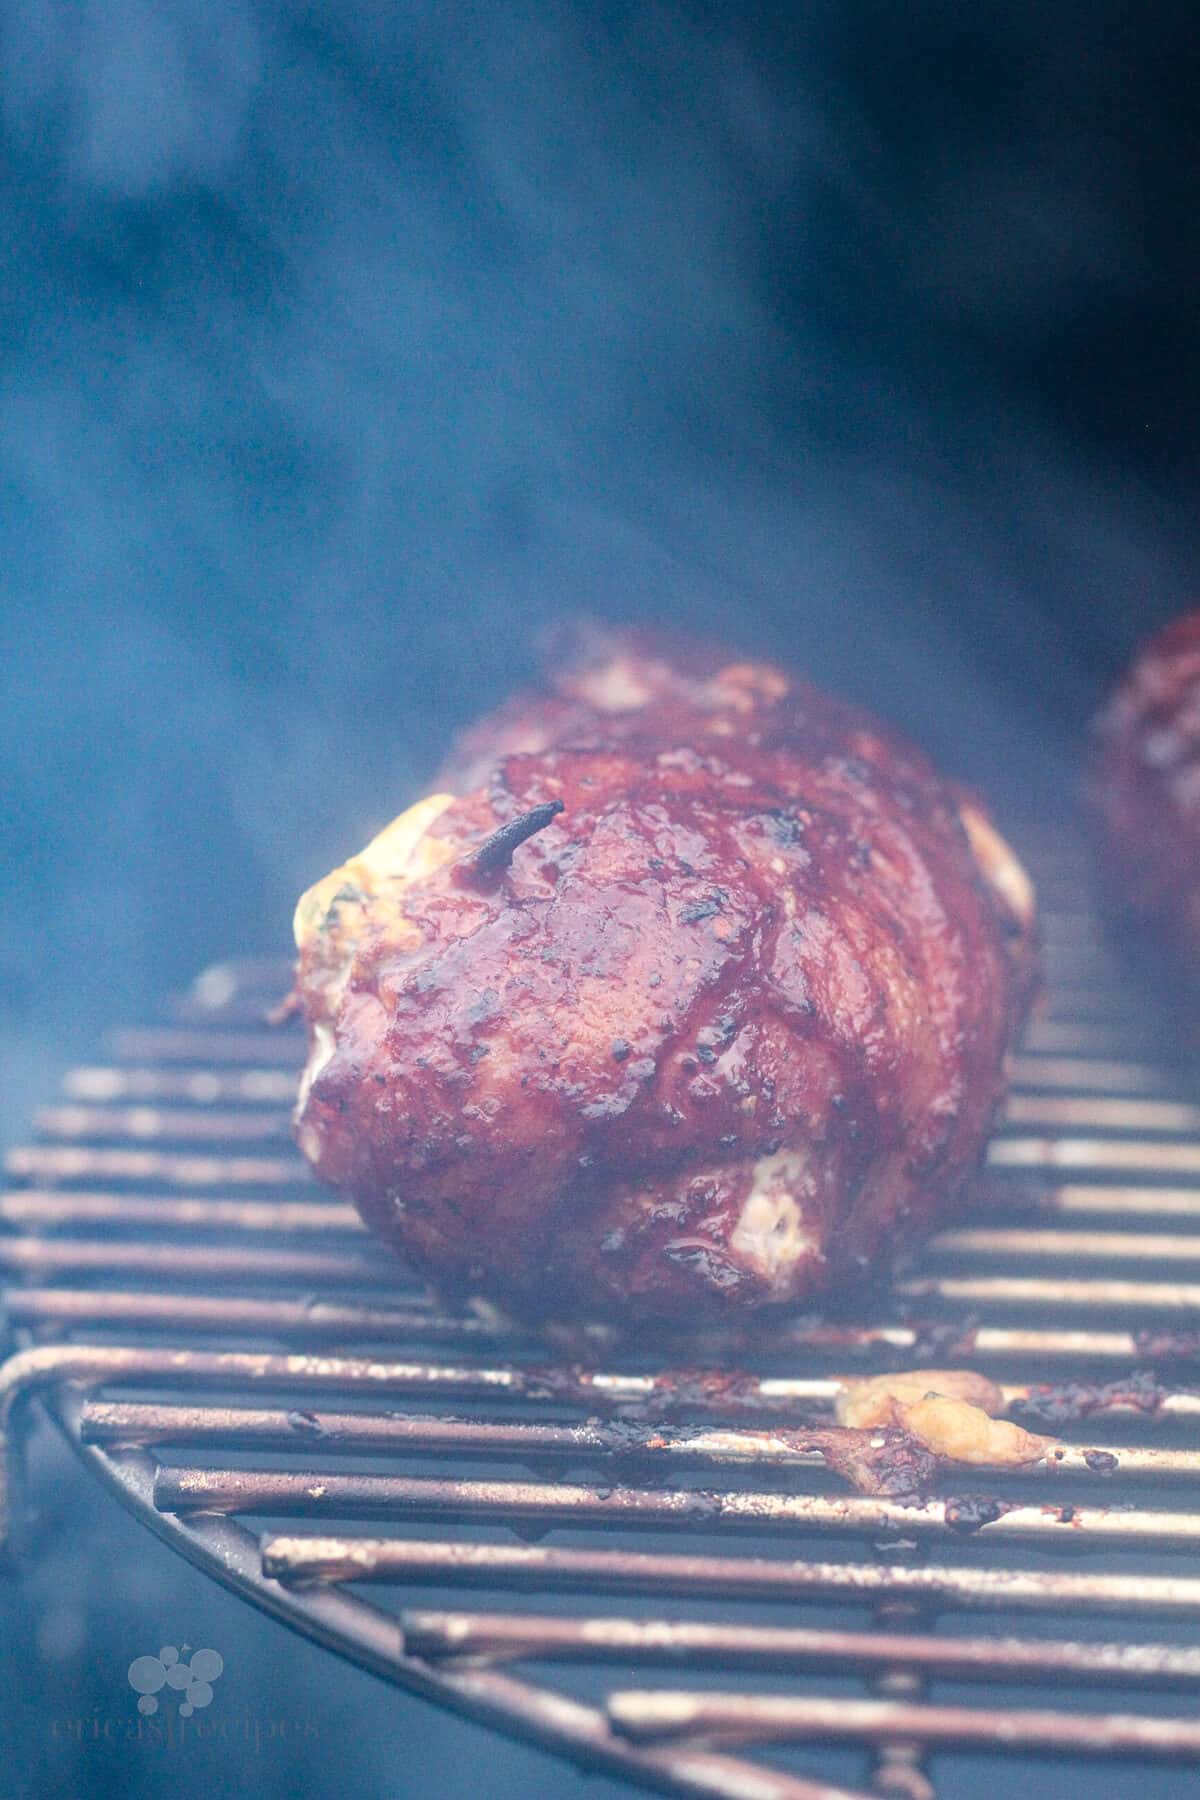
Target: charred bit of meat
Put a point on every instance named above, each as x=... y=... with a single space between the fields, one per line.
x=891 y=1465
x=488 y=861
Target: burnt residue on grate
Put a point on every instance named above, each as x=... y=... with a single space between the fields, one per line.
x=1067 y=1402
x=969 y=1513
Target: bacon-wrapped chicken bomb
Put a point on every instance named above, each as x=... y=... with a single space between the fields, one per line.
x=694 y=997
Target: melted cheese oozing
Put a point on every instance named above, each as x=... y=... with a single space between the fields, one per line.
x=771 y=1235
x=390 y=856
x=330 y=917
x=948 y=1410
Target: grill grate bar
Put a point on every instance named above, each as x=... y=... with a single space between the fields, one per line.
x=1103 y=1296
x=1079 y=1246
x=415 y=1320
x=310 y=1560
x=48 y=1255
x=243 y=1428
x=743 y=1718
x=98 y=1085
x=267 y=1371
x=1095 y=1075
x=1097 y=1114
x=184 y=1262
x=172 y=1044
x=1074 y=1198
x=196 y=1125
x=1093 y=998
x=1094 y=1153
x=493 y=1635
x=344 y=1324
x=53 y=1162
x=230 y=1315
x=1102 y=1038
x=320 y=1493
x=48 y=1209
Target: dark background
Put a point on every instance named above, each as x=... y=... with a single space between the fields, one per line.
x=342 y=346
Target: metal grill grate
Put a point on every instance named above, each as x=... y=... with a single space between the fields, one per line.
x=225 y=1344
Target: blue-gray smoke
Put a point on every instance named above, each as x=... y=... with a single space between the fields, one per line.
x=342 y=346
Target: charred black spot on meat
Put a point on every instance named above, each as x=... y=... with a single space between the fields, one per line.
x=488 y=861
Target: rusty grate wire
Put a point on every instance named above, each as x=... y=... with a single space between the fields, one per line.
x=703 y=1602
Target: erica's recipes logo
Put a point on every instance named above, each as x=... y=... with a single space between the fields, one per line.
x=189 y=1678
x=186 y=1672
